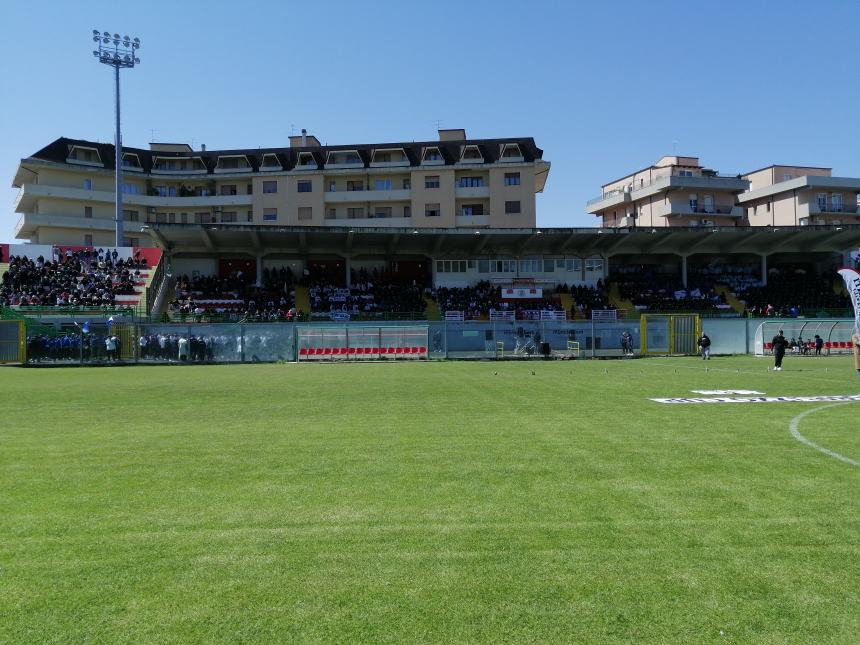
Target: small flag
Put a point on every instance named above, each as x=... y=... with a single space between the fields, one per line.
x=86 y=327
x=110 y=324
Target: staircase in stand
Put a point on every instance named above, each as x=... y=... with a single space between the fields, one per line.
x=303 y=300
x=432 y=309
x=730 y=298
x=566 y=302
x=138 y=298
x=615 y=299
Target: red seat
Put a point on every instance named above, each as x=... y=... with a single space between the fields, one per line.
x=398 y=350
x=352 y=350
x=768 y=345
x=422 y=350
x=303 y=351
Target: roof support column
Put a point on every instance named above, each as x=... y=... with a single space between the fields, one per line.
x=347 y=267
x=259 y=259
x=764 y=269
x=684 y=270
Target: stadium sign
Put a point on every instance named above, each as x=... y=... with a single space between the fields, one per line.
x=834 y=398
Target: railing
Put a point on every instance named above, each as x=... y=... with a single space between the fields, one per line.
x=604 y=315
x=454 y=316
x=498 y=316
x=834 y=207
x=155 y=283
x=607 y=195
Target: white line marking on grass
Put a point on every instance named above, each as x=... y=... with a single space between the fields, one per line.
x=795 y=422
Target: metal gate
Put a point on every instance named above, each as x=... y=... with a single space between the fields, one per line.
x=13 y=341
x=670 y=333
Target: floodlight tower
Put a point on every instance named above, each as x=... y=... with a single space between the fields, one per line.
x=117 y=52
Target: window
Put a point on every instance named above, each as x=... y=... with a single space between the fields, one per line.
x=512 y=208
x=161 y=218
x=354 y=185
x=407 y=184
x=548 y=266
x=270 y=187
x=432 y=210
x=250 y=189
x=836 y=199
x=130 y=216
x=131 y=241
x=383 y=157
x=431 y=181
x=250 y=216
x=709 y=203
x=229 y=217
x=204 y=218
x=88 y=240
x=694 y=203
x=432 y=154
x=184 y=217
x=451 y=266
x=171 y=218
x=355 y=213
x=228 y=189
x=131 y=189
x=88 y=211
x=685 y=173
x=594 y=265
x=511 y=151
x=472 y=209
x=270 y=214
x=407 y=211
x=382 y=212
x=161 y=191
x=305 y=186
x=305 y=213
x=88 y=184
x=332 y=213
x=470 y=182
x=332 y=186
x=483 y=266
x=787 y=177
x=382 y=184
x=471 y=153
x=512 y=179
x=530 y=266
x=307 y=159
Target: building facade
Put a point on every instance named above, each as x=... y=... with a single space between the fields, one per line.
x=675 y=191
x=678 y=191
x=67 y=190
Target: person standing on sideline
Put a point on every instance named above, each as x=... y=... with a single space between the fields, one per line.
x=779 y=344
x=819 y=344
x=705 y=346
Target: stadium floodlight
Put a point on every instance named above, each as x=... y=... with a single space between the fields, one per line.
x=117 y=52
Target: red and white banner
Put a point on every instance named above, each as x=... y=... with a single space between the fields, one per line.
x=522 y=293
x=852 y=284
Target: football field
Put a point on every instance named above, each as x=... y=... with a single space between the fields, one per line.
x=459 y=502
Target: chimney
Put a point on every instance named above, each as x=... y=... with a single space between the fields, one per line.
x=304 y=138
x=203 y=147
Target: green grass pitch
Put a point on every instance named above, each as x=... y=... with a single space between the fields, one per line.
x=433 y=502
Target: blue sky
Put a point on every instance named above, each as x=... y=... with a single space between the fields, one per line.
x=603 y=87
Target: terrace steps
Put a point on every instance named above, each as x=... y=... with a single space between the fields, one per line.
x=567 y=304
x=730 y=297
x=432 y=309
x=303 y=300
x=615 y=299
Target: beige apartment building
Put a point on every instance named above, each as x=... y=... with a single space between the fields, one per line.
x=675 y=191
x=800 y=196
x=67 y=191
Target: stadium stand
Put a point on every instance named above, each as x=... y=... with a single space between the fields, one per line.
x=792 y=291
x=77 y=278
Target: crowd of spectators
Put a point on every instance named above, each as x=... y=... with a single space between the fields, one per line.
x=237 y=296
x=586 y=299
x=650 y=290
x=370 y=293
x=793 y=291
x=83 y=278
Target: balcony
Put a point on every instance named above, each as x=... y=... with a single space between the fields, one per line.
x=728 y=183
x=29 y=193
x=818 y=208
x=352 y=196
x=608 y=200
x=472 y=192
x=472 y=220
x=721 y=210
x=29 y=223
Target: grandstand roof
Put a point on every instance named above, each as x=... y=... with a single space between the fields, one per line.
x=208 y=239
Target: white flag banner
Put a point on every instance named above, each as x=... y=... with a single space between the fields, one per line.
x=852 y=284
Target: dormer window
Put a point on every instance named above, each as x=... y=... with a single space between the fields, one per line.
x=178 y=165
x=471 y=154
x=511 y=152
x=343 y=158
x=432 y=156
x=233 y=163
x=270 y=162
x=131 y=161
x=306 y=161
x=389 y=157
x=85 y=156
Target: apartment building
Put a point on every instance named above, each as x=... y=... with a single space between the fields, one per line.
x=675 y=191
x=67 y=192
x=800 y=196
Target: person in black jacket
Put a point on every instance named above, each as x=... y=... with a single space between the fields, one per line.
x=778 y=344
x=705 y=346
